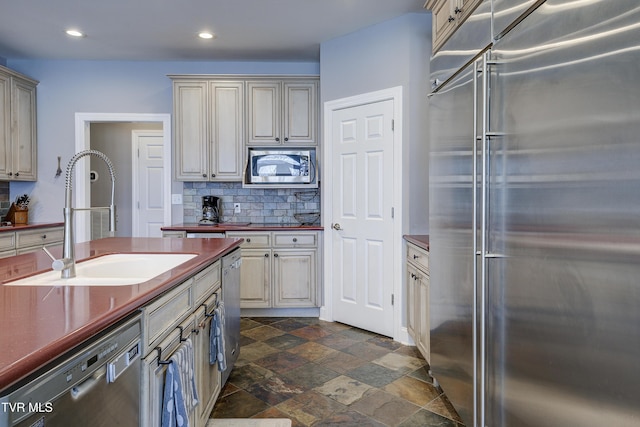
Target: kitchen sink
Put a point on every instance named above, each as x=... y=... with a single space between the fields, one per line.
x=110 y=270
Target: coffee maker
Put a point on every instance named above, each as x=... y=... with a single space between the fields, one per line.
x=210 y=210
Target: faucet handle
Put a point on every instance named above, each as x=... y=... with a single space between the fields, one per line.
x=57 y=264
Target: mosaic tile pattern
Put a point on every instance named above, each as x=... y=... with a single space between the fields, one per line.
x=258 y=205
x=328 y=374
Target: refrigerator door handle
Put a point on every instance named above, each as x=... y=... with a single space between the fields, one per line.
x=474 y=238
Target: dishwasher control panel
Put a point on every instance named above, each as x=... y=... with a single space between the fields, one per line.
x=122 y=362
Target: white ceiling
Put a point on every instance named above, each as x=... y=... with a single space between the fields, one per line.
x=166 y=30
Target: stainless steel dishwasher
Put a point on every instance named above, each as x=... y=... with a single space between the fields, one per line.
x=98 y=385
x=231 y=298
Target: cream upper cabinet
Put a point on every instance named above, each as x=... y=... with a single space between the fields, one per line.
x=447 y=15
x=282 y=112
x=208 y=129
x=18 y=139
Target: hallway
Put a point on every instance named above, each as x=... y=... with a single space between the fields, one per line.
x=319 y=373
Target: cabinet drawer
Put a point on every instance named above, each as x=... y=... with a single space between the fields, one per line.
x=205 y=282
x=253 y=240
x=43 y=236
x=166 y=313
x=418 y=257
x=7 y=241
x=294 y=239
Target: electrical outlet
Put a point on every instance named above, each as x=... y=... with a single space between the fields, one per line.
x=236 y=208
x=176 y=199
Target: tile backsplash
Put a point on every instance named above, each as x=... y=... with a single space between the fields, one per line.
x=257 y=205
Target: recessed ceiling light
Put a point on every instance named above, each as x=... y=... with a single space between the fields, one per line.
x=74 y=33
x=206 y=35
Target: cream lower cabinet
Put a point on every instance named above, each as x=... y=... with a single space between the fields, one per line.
x=25 y=241
x=279 y=269
x=180 y=314
x=417 y=291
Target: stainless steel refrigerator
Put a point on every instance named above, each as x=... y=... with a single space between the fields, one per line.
x=535 y=218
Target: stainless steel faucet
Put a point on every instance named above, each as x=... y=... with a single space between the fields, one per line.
x=67 y=264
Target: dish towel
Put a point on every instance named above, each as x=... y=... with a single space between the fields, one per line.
x=180 y=393
x=216 y=338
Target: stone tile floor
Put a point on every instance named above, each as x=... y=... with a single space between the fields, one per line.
x=320 y=373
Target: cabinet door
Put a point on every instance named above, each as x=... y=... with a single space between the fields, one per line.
x=300 y=113
x=443 y=21
x=264 y=119
x=5 y=126
x=226 y=123
x=411 y=286
x=190 y=131
x=295 y=278
x=255 y=279
x=208 y=376
x=23 y=131
x=422 y=312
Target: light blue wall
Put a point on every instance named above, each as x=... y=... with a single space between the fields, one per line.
x=70 y=87
x=389 y=54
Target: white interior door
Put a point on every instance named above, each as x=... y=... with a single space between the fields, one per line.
x=362 y=220
x=148 y=183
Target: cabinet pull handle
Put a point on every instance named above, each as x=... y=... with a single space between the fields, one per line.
x=416 y=256
x=457 y=11
x=17 y=173
x=451 y=19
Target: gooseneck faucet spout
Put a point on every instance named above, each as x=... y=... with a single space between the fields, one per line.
x=67 y=265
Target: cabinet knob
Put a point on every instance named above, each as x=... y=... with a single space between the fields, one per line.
x=213 y=175
x=248 y=240
x=204 y=175
x=17 y=173
x=416 y=256
x=275 y=255
x=266 y=255
x=286 y=139
x=10 y=174
x=295 y=239
x=44 y=236
x=277 y=139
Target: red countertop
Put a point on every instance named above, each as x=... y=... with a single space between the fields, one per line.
x=231 y=226
x=420 y=240
x=40 y=323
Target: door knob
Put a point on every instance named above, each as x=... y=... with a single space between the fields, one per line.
x=336 y=226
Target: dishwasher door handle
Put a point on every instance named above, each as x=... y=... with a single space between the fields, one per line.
x=85 y=387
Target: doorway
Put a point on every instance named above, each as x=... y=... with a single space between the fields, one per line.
x=362 y=210
x=123 y=165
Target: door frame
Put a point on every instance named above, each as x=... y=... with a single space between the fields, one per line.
x=83 y=142
x=395 y=94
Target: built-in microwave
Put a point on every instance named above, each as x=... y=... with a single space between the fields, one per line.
x=290 y=166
